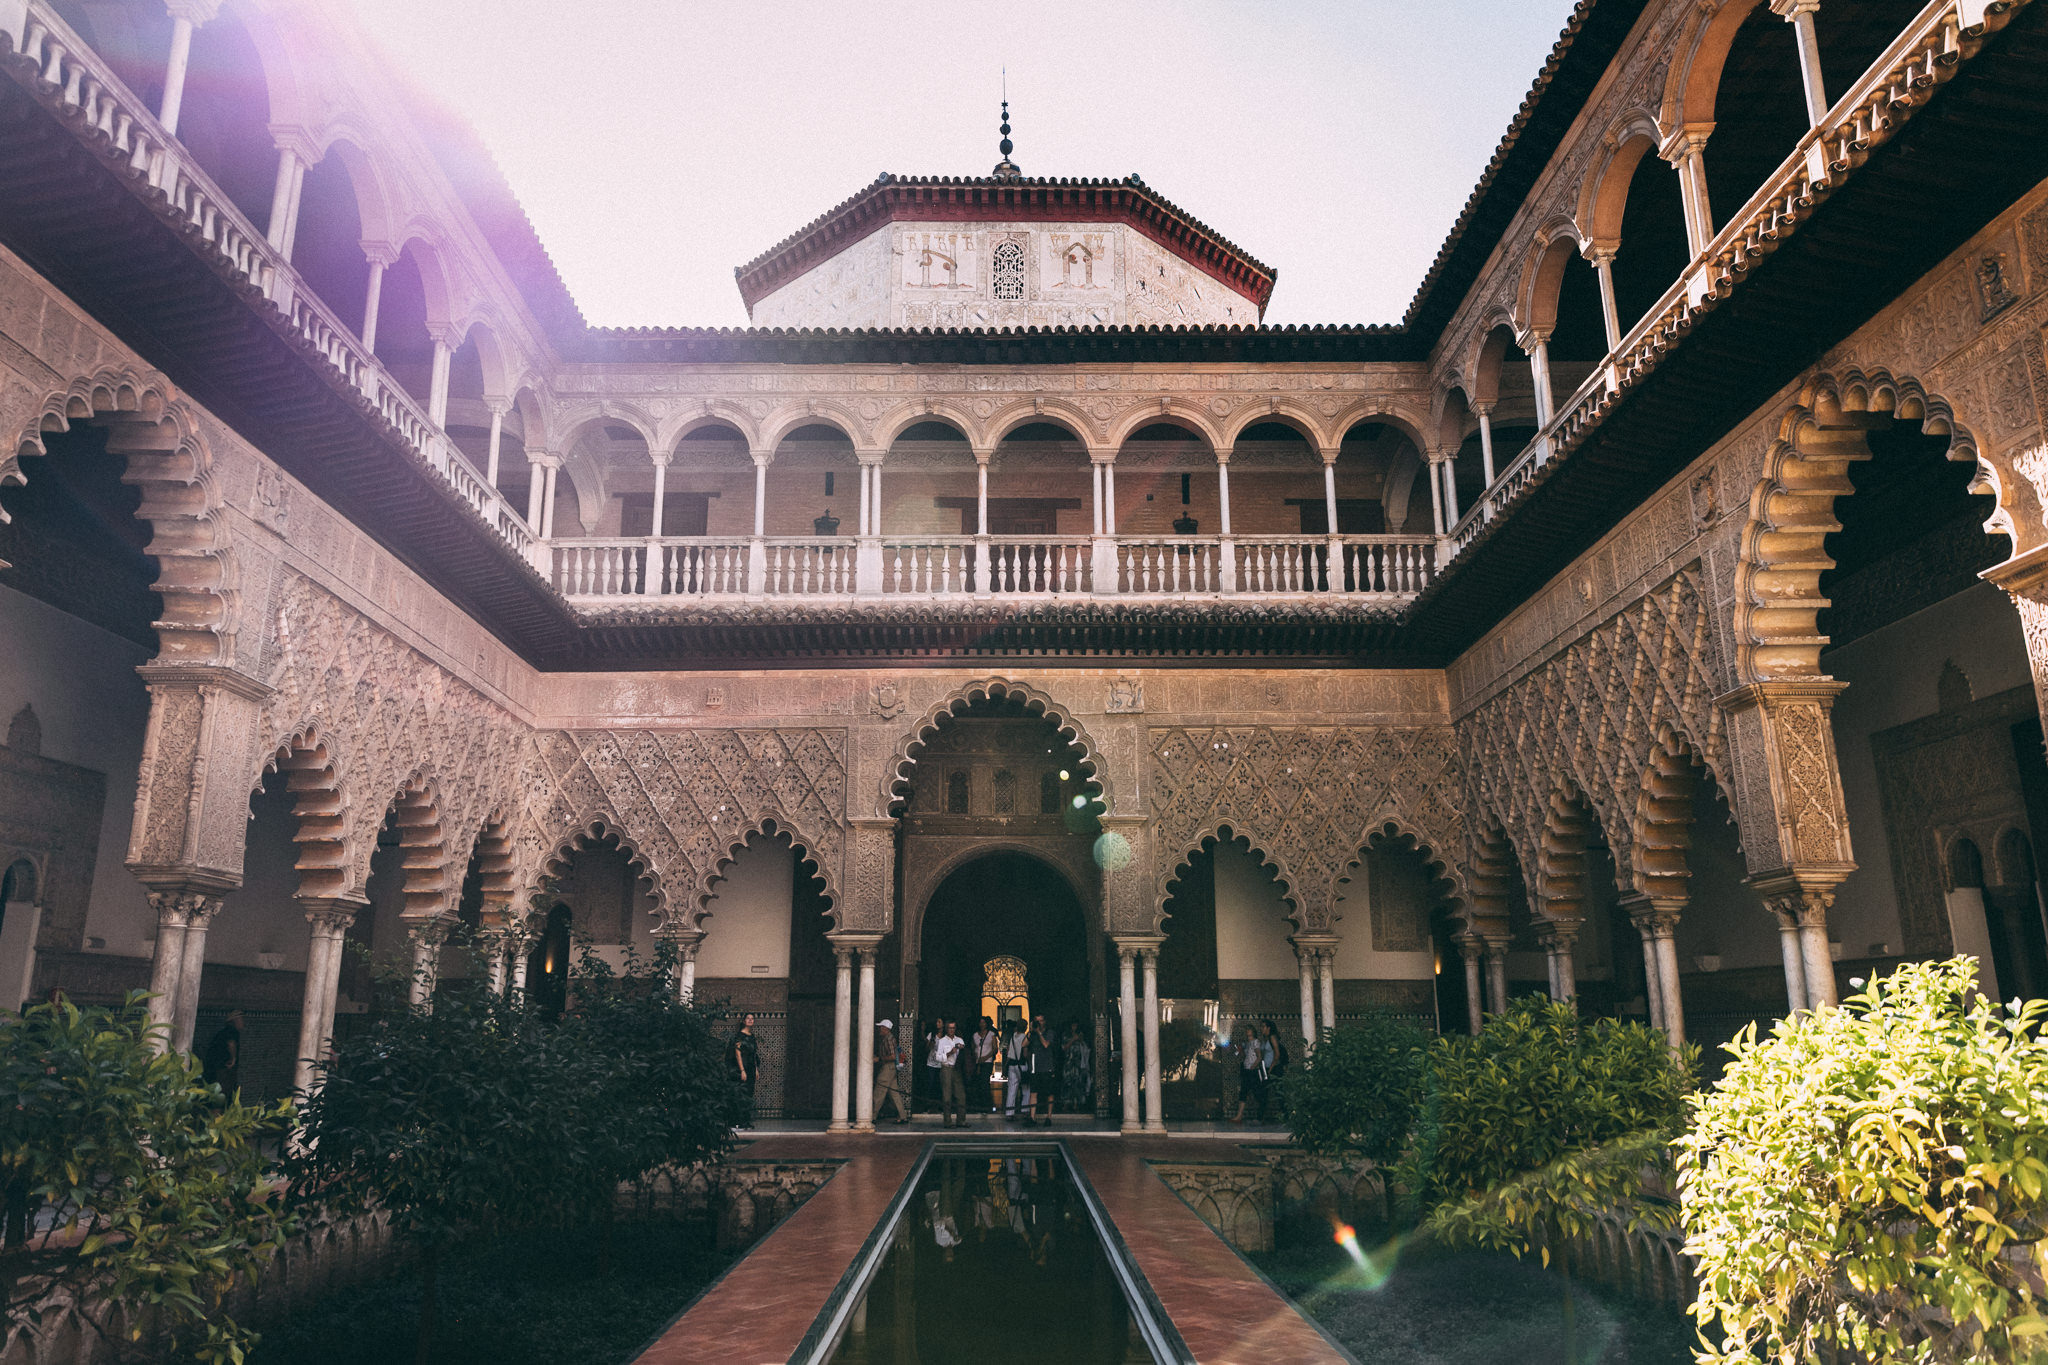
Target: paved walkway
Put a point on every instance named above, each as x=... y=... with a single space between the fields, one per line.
x=760 y=1310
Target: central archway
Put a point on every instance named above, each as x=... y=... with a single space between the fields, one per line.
x=1006 y=903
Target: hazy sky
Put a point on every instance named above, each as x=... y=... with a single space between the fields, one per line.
x=657 y=144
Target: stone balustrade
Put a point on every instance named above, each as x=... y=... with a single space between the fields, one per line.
x=618 y=571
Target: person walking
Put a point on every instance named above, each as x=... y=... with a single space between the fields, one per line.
x=1276 y=1067
x=985 y=1044
x=1045 y=1071
x=222 y=1061
x=950 y=1051
x=743 y=1060
x=1016 y=1062
x=888 y=1088
x=1251 y=1071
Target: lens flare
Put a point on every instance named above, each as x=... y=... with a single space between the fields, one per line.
x=1374 y=1269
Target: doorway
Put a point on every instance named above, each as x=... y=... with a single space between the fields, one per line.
x=1005 y=904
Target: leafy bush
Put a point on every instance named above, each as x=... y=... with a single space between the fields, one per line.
x=1852 y=1183
x=1358 y=1090
x=155 y=1181
x=1542 y=1120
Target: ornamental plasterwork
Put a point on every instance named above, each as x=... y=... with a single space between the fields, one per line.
x=1591 y=717
x=684 y=800
x=1307 y=798
x=387 y=717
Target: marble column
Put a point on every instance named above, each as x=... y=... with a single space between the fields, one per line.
x=842 y=1039
x=1305 y=959
x=1557 y=939
x=1603 y=269
x=1127 y=988
x=1799 y=14
x=1326 y=977
x=192 y=954
x=1471 y=951
x=1155 y=1102
x=330 y=918
x=426 y=939
x=1656 y=921
x=864 y=1045
x=167 y=964
x=1484 y=411
x=1497 y=975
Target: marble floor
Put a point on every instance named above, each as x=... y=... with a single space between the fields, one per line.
x=759 y=1311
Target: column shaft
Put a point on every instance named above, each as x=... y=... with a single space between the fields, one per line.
x=1155 y=1092
x=437 y=385
x=1497 y=977
x=535 y=481
x=1109 y=498
x=167 y=966
x=174 y=74
x=1223 y=494
x=1095 y=474
x=1603 y=266
x=1306 y=959
x=1330 y=496
x=1486 y=444
x=1326 y=974
x=1436 y=496
x=981 y=498
x=842 y=1038
x=660 y=496
x=192 y=954
x=281 y=201
x=1667 y=975
x=316 y=1005
x=1539 y=369
x=864 y=1047
x=1809 y=65
x=1475 y=1006
x=1795 y=962
x=547 y=507
x=497 y=440
x=1127 y=997
x=760 y=497
x=1450 y=468
x=863 y=522
x=370 y=304
x=1819 y=961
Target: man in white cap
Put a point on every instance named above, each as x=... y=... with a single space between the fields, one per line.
x=887 y=1057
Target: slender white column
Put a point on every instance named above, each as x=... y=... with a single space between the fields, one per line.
x=497 y=955
x=1497 y=976
x=1539 y=368
x=281 y=200
x=1819 y=959
x=660 y=494
x=167 y=965
x=371 y=302
x=1436 y=493
x=1557 y=939
x=1450 y=468
x=535 y=479
x=1127 y=988
x=426 y=962
x=1330 y=492
x=329 y=920
x=1223 y=491
x=1801 y=19
x=174 y=72
x=864 y=1047
x=1653 y=988
x=981 y=497
x=1109 y=498
x=875 y=493
x=498 y=407
x=864 y=470
x=1794 y=957
x=1603 y=266
x=761 y=497
x=1326 y=977
x=437 y=388
x=1667 y=981
x=522 y=945
x=1687 y=150
x=1095 y=473
x=1155 y=1091
x=547 y=507
x=842 y=1040
x=291 y=214
x=1484 y=410
x=1306 y=959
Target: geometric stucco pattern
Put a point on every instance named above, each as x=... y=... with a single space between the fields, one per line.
x=684 y=800
x=388 y=717
x=1593 y=717
x=1307 y=798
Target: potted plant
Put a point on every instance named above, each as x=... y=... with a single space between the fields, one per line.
x=827 y=525
x=1184 y=524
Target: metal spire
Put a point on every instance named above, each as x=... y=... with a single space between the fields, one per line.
x=1006 y=169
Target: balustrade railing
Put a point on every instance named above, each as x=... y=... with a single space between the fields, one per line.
x=1040 y=564
x=820 y=566
x=1925 y=55
x=1168 y=565
x=102 y=104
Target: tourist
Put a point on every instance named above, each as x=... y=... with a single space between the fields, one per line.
x=743 y=1060
x=1045 y=1070
x=985 y=1045
x=1276 y=1067
x=1016 y=1061
x=1251 y=1072
x=952 y=1084
x=222 y=1062
x=927 y=1084
x=888 y=1087
x=1076 y=1076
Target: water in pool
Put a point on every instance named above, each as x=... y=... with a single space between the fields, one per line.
x=995 y=1260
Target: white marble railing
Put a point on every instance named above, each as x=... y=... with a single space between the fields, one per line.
x=621 y=570
x=107 y=110
x=1925 y=55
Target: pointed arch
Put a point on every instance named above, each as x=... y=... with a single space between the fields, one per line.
x=1664 y=816
x=1562 y=855
x=1217 y=833
x=494 y=854
x=769 y=824
x=896 y=777
x=1792 y=510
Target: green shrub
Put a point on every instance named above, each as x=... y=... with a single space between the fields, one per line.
x=1529 y=1129
x=1852 y=1182
x=1358 y=1090
x=155 y=1181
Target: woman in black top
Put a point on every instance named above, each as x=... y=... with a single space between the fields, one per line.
x=743 y=1058
x=1045 y=1070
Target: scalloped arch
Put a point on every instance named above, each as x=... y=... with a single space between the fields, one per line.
x=1442 y=866
x=597 y=831
x=770 y=824
x=896 y=778
x=1228 y=832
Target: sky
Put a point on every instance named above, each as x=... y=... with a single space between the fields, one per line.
x=656 y=144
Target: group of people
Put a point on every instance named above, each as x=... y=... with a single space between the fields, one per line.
x=1261 y=1059
x=1038 y=1074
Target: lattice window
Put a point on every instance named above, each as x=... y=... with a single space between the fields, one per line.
x=1008 y=271
x=1006 y=792
x=956 y=793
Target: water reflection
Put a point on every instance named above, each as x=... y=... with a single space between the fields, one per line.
x=995 y=1260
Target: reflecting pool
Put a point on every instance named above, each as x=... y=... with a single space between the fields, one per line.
x=994 y=1258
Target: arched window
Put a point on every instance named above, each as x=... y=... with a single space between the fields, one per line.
x=1006 y=792
x=956 y=793
x=1007 y=272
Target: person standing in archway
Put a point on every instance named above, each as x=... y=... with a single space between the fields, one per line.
x=888 y=1089
x=985 y=1044
x=950 y=1051
x=743 y=1059
x=1016 y=1063
x=1045 y=1071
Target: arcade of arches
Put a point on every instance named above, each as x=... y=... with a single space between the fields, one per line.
x=1205 y=669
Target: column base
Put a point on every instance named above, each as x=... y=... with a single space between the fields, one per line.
x=839 y=1126
x=865 y=1126
x=1156 y=1126
x=1130 y=1129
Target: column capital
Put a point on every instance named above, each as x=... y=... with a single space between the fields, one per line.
x=1601 y=253
x=1481 y=409
x=1137 y=943
x=1653 y=916
x=660 y=458
x=378 y=253
x=862 y=940
x=202 y=676
x=1496 y=949
x=297 y=139
x=497 y=404
x=1328 y=454
x=984 y=454
x=1790 y=10
x=444 y=334
x=1557 y=936
x=1799 y=897
x=428 y=931
x=1685 y=141
x=185 y=903
x=193 y=12
x=544 y=459
x=1529 y=338
x=1102 y=455
x=1313 y=942
x=332 y=914
x=870 y=457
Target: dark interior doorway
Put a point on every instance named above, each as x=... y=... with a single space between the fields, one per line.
x=807 y=1073
x=1012 y=904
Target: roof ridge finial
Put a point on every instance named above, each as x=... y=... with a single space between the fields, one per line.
x=1006 y=169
